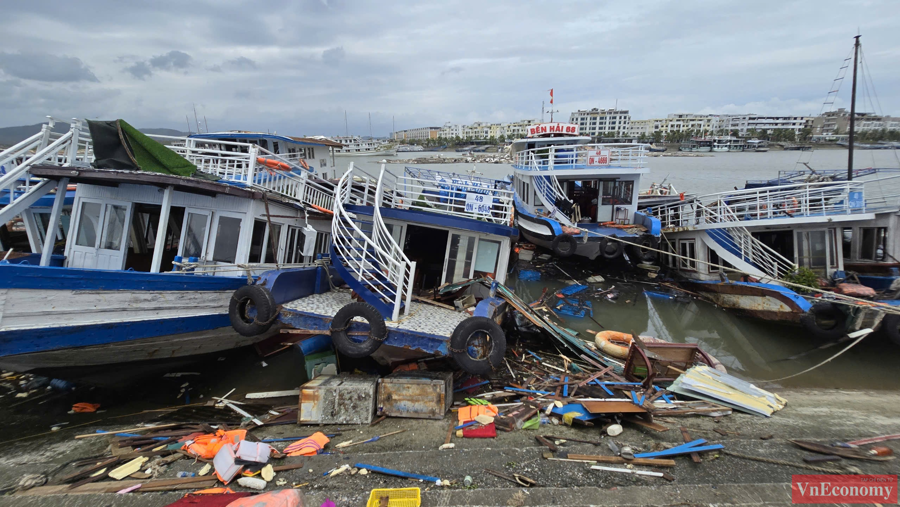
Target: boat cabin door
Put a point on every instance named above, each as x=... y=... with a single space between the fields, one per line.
x=101 y=239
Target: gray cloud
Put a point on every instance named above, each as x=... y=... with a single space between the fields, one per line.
x=241 y=63
x=45 y=67
x=333 y=56
x=407 y=59
x=140 y=70
x=173 y=60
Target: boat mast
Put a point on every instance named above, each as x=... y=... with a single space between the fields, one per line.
x=852 y=111
x=346 y=128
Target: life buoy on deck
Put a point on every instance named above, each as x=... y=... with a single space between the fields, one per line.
x=323 y=210
x=614 y=343
x=273 y=164
x=303 y=164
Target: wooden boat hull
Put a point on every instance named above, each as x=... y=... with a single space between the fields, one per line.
x=759 y=300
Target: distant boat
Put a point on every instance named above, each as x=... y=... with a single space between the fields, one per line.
x=654 y=148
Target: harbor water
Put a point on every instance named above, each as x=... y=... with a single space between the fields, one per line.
x=749 y=348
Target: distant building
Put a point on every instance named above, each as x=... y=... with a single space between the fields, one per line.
x=483 y=130
x=416 y=134
x=744 y=123
x=834 y=123
x=601 y=122
x=678 y=122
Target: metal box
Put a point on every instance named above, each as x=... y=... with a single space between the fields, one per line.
x=337 y=399
x=418 y=394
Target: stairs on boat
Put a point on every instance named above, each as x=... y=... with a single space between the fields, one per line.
x=363 y=251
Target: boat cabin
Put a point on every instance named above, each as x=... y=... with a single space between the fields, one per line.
x=151 y=222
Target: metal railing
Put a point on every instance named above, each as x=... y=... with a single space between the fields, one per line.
x=447 y=194
x=72 y=148
x=581 y=156
x=371 y=256
x=723 y=209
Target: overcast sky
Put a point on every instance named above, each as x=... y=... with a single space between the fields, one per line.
x=295 y=67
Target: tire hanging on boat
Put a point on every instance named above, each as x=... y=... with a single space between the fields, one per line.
x=341 y=323
x=891 y=326
x=266 y=310
x=568 y=251
x=825 y=321
x=610 y=249
x=492 y=336
x=639 y=249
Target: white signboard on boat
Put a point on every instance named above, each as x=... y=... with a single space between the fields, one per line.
x=541 y=129
x=598 y=157
x=478 y=203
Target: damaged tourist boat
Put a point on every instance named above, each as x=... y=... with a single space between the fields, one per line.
x=571 y=196
x=157 y=242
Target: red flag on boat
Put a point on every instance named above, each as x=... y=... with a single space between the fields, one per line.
x=551 y=95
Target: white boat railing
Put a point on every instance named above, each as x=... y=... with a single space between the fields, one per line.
x=458 y=197
x=778 y=202
x=371 y=256
x=582 y=156
x=71 y=148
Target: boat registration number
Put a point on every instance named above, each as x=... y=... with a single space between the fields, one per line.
x=478 y=203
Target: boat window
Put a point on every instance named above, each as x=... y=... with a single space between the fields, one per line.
x=257 y=241
x=276 y=147
x=872 y=244
x=115 y=225
x=713 y=259
x=687 y=249
x=228 y=232
x=272 y=246
x=812 y=250
x=459 y=258
x=617 y=192
x=486 y=258
x=294 y=247
x=195 y=234
x=847 y=242
x=88 y=224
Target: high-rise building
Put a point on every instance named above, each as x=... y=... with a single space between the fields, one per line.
x=416 y=134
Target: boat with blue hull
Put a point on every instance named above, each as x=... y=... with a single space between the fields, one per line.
x=155 y=265
x=575 y=198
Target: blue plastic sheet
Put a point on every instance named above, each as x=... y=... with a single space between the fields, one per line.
x=529 y=275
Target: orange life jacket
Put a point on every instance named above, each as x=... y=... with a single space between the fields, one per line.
x=206 y=446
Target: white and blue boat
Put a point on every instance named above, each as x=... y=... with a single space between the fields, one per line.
x=571 y=196
x=152 y=261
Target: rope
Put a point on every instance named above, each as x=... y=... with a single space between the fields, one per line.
x=782 y=462
x=839 y=298
x=866 y=333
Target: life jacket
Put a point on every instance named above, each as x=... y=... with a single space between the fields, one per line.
x=206 y=446
x=470 y=412
x=309 y=446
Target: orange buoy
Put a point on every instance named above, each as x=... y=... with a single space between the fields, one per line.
x=614 y=343
x=273 y=164
x=304 y=164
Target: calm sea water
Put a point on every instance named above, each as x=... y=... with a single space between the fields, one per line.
x=749 y=348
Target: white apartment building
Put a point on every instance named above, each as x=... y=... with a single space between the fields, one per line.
x=601 y=122
x=416 y=134
x=484 y=130
x=838 y=122
x=638 y=128
x=763 y=124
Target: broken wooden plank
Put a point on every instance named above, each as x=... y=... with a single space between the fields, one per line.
x=645 y=424
x=129 y=430
x=543 y=441
x=612 y=407
x=293 y=393
x=695 y=457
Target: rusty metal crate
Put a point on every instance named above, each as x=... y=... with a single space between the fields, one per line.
x=337 y=399
x=417 y=394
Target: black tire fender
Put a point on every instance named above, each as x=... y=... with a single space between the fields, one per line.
x=639 y=246
x=341 y=323
x=891 y=326
x=811 y=321
x=460 y=342
x=569 y=240
x=610 y=249
x=266 y=310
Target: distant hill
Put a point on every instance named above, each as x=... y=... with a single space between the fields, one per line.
x=12 y=135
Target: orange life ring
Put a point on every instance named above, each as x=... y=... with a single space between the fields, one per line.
x=304 y=164
x=609 y=343
x=273 y=164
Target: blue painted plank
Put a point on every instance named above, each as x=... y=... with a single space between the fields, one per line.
x=21 y=276
x=675 y=452
x=396 y=473
x=516 y=389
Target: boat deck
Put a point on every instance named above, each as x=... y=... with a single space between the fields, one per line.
x=427 y=327
x=633 y=230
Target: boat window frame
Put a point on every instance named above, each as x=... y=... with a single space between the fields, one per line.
x=101 y=221
x=213 y=234
x=689 y=264
x=184 y=231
